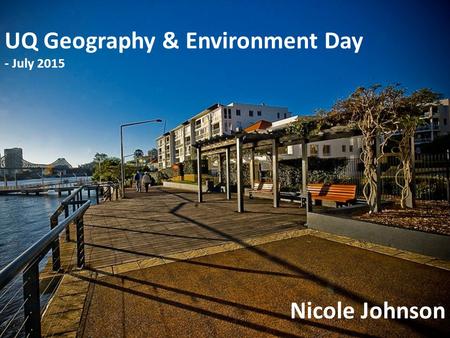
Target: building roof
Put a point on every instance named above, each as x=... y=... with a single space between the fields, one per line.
x=260 y=125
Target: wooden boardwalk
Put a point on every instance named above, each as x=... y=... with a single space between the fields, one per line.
x=164 y=222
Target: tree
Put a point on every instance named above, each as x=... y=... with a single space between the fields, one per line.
x=372 y=111
x=100 y=157
x=153 y=154
x=138 y=153
x=408 y=116
x=109 y=169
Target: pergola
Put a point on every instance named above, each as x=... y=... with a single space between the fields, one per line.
x=225 y=144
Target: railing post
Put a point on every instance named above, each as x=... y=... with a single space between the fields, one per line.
x=66 y=214
x=32 y=307
x=80 y=243
x=96 y=194
x=73 y=200
x=56 y=257
x=117 y=192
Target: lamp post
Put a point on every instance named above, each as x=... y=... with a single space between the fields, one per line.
x=122 y=167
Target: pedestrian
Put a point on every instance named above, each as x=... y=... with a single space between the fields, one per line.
x=137 y=179
x=146 y=181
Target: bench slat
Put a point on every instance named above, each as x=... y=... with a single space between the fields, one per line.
x=343 y=193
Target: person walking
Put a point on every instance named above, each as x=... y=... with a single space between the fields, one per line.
x=146 y=181
x=137 y=179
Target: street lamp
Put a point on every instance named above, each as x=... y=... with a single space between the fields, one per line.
x=122 y=167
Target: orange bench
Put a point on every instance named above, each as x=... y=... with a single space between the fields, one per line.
x=342 y=194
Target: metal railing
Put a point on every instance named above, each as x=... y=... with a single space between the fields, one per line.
x=26 y=265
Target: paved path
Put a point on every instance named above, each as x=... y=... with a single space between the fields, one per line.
x=162 y=265
x=248 y=293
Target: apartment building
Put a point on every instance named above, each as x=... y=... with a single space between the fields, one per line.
x=436 y=122
x=176 y=145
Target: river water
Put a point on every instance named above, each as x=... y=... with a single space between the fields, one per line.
x=23 y=221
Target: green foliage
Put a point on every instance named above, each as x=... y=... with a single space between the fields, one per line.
x=138 y=153
x=330 y=170
x=304 y=126
x=290 y=175
x=106 y=170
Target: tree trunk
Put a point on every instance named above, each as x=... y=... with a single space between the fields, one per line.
x=406 y=169
x=369 y=158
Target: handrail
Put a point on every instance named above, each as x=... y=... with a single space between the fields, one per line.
x=72 y=195
x=9 y=272
x=64 y=202
x=27 y=264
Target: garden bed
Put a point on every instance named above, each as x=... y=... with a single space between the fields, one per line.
x=427 y=216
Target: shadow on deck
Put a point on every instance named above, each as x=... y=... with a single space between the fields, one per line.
x=212 y=289
x=165 y=222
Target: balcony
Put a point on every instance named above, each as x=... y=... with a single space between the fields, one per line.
x=427 y=127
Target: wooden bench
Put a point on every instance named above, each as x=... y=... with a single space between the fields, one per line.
x=261 y=188
x=341 y=194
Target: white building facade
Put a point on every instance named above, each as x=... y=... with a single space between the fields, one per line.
x=176 y=145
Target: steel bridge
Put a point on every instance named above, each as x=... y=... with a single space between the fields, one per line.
x=60 y=162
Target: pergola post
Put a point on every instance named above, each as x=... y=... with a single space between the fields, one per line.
x=252 y=167
x=199 y=174
x=304 y=168
x=275 y=178
x=228 y=173
x=240 y=186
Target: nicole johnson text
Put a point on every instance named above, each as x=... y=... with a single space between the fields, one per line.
x=306 y=310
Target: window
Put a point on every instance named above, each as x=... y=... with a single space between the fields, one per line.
x=238 y=112
x=258 y=113
x=216 y=128
x=278 y=115
x=250 y=113
x=229 y=113
x=313 y=149
x=344 y=148
x=326 y=149
x=350 y=148
x=285 y=115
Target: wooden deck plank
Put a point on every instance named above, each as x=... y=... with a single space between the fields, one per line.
x=168 y=221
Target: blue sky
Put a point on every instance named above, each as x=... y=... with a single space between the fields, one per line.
x=76 y=111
